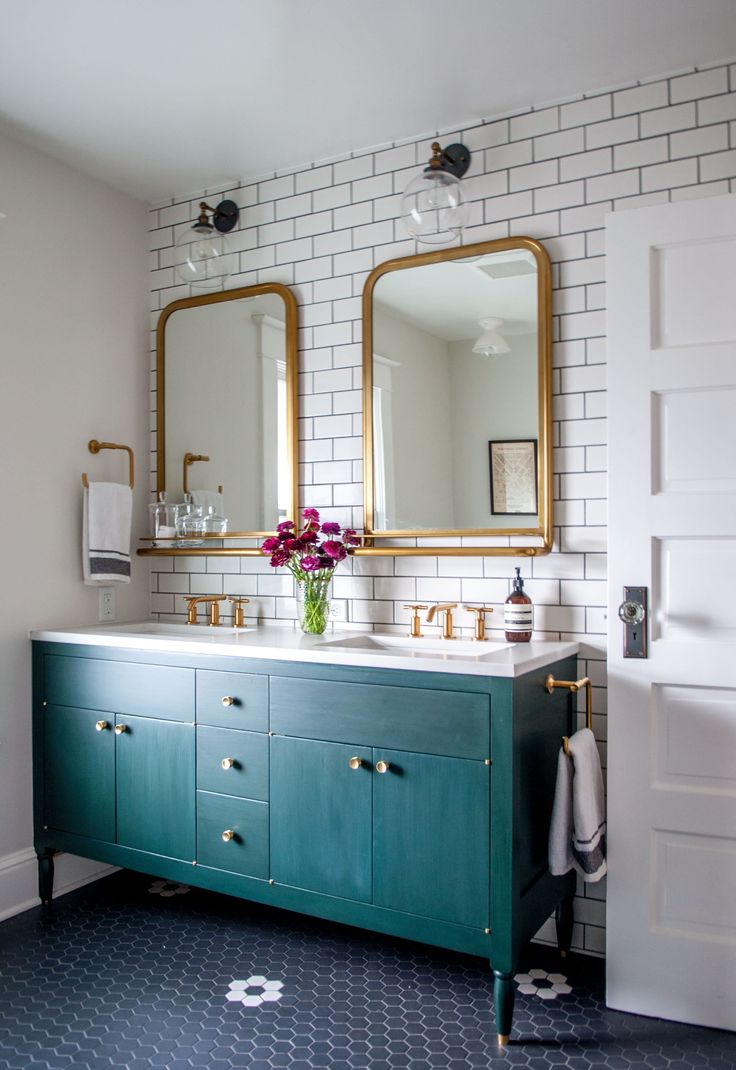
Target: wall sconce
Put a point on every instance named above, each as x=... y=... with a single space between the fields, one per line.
x=433 y=209
x=202 y=257
x=490 y=343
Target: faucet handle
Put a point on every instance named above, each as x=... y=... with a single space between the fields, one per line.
x=446 y=608
x=416 y=624
x=480 y=620
x=238 y=613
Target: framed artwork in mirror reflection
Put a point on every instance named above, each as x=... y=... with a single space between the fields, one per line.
x=513 y=467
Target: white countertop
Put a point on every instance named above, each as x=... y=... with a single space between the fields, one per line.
x=365 y=649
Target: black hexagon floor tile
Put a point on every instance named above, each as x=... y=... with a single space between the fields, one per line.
x=134 y=973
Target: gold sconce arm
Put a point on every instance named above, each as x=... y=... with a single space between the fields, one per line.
x=573 y=685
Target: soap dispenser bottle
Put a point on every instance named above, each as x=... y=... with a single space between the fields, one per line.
x=518 y=613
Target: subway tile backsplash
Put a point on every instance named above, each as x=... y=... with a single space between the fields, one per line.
x=552 y=173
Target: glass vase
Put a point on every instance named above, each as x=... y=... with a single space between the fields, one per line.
x=313 y=603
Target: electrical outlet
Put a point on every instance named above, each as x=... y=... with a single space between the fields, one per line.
x=339 y=610
x=107 y=604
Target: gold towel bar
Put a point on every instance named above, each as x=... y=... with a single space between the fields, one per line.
x=190 y=458
x=94 y=447
x=573 y=685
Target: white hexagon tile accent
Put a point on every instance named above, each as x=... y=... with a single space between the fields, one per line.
x=168 y=888
x=255 y=991
x=542 y=984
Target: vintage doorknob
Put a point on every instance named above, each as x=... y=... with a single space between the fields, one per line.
x=631 y=612
x=227 y=700
x=120 y=728
x=355 y=763
x=228 y=834
x=382 y=767
x=227 y=763
x=101 y=725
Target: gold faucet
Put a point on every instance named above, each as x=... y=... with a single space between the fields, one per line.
x=415 y=630
x=446 y=608
x=238 y=611
x=214 y=604
x=480 y=621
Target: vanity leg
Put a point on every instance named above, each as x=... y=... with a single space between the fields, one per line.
x=563 y=919
x=46 y=878
x=503 y=997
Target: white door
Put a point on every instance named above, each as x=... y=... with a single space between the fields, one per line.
x=671 y=928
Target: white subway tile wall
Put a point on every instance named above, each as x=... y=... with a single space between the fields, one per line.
x=551 y=173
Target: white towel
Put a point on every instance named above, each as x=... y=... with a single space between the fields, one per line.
x=209 y=499
x=577 y=833
x=108 y=509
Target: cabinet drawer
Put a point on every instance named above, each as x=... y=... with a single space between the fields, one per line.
x=245 y=757
x=247 y=851
x=232 y=700
x=120 y=687
x=452 y=723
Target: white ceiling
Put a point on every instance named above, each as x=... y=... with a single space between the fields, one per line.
x=163 y=97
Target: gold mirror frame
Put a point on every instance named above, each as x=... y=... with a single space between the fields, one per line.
x=292 y=446
x=543 y=531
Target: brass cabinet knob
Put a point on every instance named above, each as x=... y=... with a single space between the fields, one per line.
x=227 y=700
x=227 y=763
x=120 y=728
x=101 y=725
x=382 y=767
x=355 y=763
x=228 y=834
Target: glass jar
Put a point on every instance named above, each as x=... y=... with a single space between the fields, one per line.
x=190 y=525
x=163 y=519
x=213 y=523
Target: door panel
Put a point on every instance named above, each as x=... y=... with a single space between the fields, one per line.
x=321 y=817
x=431 y=837
x=671 y=927
x=79 y=772
x=154 y=763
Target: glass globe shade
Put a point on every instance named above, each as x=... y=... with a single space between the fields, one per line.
x=202 y=257
x=432 y=207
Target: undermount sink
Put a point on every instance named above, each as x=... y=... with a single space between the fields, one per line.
x=422 y=647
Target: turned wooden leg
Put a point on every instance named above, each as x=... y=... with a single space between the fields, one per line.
x=503 y=997
x=46 y=878
x=564 y=920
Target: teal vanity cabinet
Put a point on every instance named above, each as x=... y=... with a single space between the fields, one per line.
x=414 y=803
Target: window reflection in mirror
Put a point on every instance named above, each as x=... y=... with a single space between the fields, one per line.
x=226 y=378
x=456 y=359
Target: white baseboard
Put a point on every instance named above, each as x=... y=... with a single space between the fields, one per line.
x=19 y=878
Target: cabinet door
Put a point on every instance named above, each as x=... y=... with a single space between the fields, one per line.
x=154 y=762
x=321 y=817
x=79 y=772
x=431 y=836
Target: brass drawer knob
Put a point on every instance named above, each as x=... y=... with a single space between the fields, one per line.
x=120 y=728
x=227 y=763
x=228 y=834
x=355 y=763
x=227 y=700
x=102 y=725
x=382 y=767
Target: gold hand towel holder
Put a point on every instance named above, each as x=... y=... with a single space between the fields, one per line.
x=190 y=459
x=94 y=447
x=573 y=685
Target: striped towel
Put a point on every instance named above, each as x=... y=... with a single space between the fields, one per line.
x=577 y=833
x=108 y=509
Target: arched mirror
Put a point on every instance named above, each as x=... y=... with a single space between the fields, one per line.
x=226 y=406
x=457 y=402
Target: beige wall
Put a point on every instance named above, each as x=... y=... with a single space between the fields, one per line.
x=73 y=366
